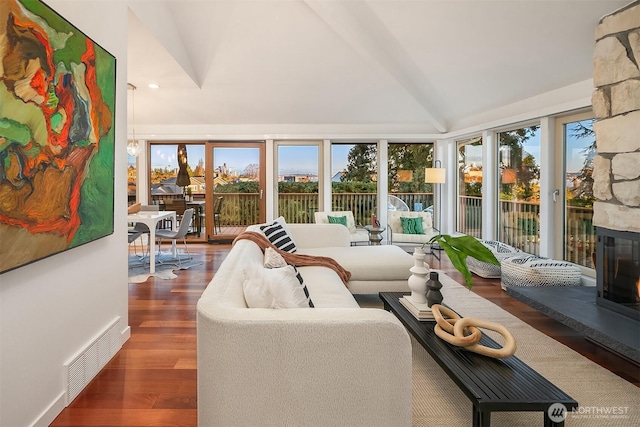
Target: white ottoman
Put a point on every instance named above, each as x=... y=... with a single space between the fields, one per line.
x=488 y=270
x=531 y=270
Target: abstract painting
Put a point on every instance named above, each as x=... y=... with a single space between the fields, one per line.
x=57 y=99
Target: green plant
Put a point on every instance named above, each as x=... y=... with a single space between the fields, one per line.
x=459 y=248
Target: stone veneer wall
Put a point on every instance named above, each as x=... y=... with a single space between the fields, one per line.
x=616 y=104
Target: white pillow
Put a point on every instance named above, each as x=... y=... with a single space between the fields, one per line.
x=273 y=259
x=273 y=288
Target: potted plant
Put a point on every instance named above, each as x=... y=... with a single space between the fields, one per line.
x=459 y=248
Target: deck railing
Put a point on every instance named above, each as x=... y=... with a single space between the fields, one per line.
x=580 y=236
x=519 y=223
x=470 y=216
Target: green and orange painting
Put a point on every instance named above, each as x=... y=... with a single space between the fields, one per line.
x=57 y=99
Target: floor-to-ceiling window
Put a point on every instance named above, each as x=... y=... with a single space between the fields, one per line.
x=163 y=185
x=298 y=166
x=354 y=179
x=519 y=188
x=407 y=189
x=579 y=143
x=469 y=208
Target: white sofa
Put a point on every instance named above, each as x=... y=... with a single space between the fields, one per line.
x=335 y=364
x=395 y=232
x=356 y=234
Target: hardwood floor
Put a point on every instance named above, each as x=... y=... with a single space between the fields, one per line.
x=152 y=379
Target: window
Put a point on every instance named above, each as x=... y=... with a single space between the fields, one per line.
x=164 y=171
x=407 y=189
x=132 y=178
x=519 y=189
x=470 y=187
x=298 y=167
x=354 y=179
x=579 y=232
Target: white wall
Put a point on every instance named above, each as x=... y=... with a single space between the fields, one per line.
x=50 y=310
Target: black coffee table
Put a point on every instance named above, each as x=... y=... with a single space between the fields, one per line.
x=491 y=384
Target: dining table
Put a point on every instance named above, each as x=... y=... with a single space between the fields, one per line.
x=151 y=220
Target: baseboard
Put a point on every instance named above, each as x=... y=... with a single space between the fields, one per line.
x=125 y=335
x=46 y=418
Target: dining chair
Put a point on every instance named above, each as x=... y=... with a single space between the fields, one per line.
x=133 y=236
x=177 y=205
x=216 y=215
x=180 y=233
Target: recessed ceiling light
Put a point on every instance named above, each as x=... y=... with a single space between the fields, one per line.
x=154 y=85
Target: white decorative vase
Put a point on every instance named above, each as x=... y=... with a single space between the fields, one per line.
x=418 y=278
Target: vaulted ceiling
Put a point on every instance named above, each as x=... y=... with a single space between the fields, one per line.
x=404 y=66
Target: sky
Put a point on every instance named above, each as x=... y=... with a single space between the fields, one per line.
x=304 y=159
x=292 y=159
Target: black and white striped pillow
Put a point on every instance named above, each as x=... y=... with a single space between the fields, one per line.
x=304 y=287
x=279 y=237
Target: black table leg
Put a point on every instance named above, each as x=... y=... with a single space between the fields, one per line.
x=481 y=418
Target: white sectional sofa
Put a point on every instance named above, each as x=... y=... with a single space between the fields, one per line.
x=335 y=364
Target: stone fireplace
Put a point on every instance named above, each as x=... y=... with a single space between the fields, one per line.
x=616 y=169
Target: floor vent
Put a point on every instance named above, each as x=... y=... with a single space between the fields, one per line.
x=81 y=369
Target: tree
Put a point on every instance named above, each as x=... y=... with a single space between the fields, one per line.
x=412 y=157
x=199 y=169
x=582 y=193
x=513 y=156
x=528 y=175
x=361 y=163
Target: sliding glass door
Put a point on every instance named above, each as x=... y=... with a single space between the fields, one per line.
x=574 y=203
x=236 y=199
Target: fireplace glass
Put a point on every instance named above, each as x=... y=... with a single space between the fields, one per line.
x=618 y=271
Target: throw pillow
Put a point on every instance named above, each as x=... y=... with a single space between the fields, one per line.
x=304 y=287
x=278 y=236
x=337 y=220
x=411 y=225
x=273 y=288
x=273 y=259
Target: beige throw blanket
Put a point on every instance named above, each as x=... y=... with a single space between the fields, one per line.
x=296 y=259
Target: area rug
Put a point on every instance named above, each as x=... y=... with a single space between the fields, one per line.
x=604 y=398
x=165 y=266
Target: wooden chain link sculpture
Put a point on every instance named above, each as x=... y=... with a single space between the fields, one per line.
x=464 y=332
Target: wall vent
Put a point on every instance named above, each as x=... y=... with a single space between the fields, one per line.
x=83 y=367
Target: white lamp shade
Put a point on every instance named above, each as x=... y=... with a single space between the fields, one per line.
x=434 y=175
